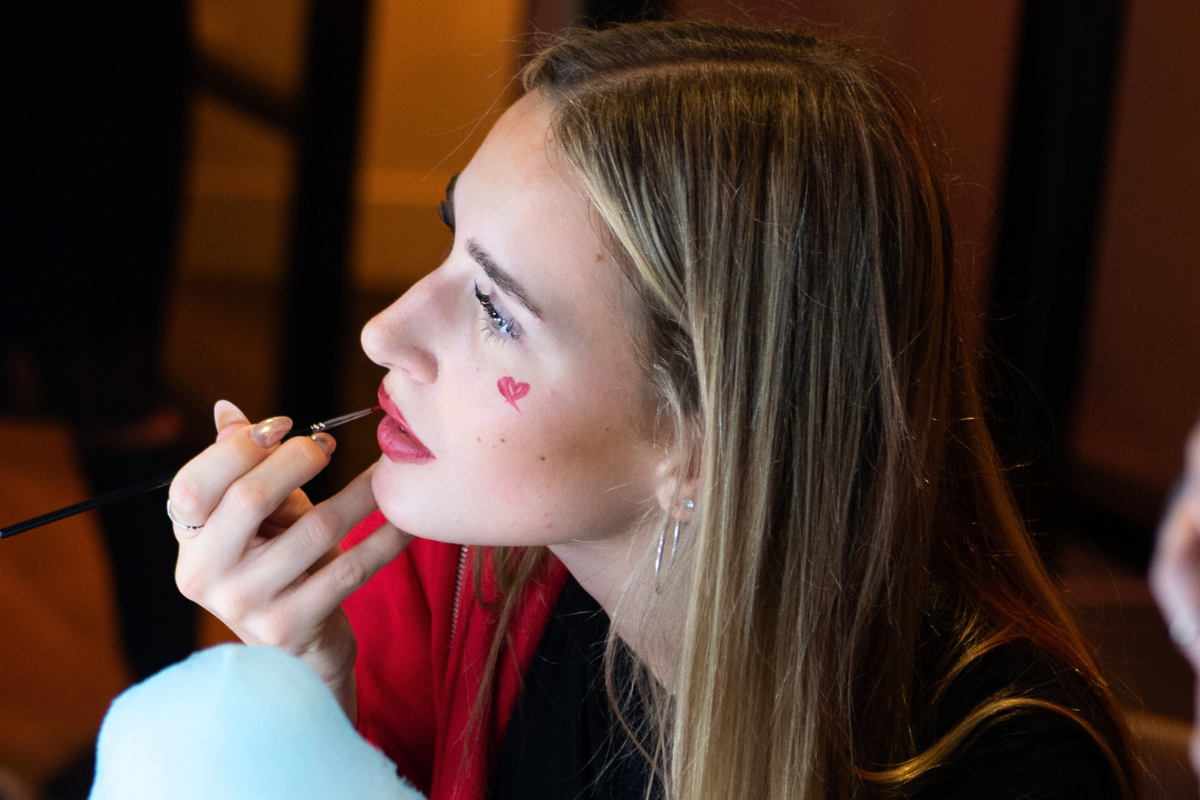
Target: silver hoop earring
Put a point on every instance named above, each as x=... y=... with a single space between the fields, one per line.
x=658 y=557
x=684 y=505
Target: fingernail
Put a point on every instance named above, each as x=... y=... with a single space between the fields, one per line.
x=226 y=413
x=327 y=442
x=270 y=431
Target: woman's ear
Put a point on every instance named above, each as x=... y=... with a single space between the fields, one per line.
x=676 y=497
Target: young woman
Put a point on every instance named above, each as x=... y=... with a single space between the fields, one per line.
x=692 y=366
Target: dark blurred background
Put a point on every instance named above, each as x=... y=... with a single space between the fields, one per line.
x=207 y=200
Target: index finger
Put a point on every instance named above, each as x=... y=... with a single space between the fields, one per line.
x=324 y=590
x=325 y=525
x=202 y=482
x=228 y=418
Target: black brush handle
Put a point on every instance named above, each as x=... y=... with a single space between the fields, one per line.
x=147 y=485
x=151 y=484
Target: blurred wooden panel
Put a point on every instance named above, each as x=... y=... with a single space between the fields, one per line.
x=1140 y=389
x=235 y=209
x=265 y=38
x=221 y=343
x=59 y=651
x=437 y=76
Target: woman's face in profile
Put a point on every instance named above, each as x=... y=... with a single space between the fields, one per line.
x=514 y=364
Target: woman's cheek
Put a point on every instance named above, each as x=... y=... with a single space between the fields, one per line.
x=519 y=454
x=520 y=461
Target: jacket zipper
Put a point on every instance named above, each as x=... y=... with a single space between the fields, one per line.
x=462 y=563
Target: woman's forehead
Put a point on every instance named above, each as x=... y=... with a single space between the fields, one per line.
x=520 y=154
x=524 y=202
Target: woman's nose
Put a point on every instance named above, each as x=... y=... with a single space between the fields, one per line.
x=400 y=336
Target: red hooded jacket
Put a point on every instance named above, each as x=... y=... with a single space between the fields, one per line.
x=423 y=640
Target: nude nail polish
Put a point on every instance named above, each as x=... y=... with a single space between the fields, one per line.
x=268 y=432
x=226 y=413
x=327 y=442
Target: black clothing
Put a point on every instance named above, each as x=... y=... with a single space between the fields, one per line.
x=1031 y=753
x=564 y=743
x=564 y=740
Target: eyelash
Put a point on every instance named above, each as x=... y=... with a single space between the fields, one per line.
x=445 y=216
x=497 y=325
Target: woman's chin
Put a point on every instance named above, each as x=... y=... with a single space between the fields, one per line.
x=426 y=523
x=415 y=515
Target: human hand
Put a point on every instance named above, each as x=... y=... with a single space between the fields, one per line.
x=266 y=561
x=1175 y=568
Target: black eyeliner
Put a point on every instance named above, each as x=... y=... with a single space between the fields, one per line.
x=446 y=206
x=505 y=326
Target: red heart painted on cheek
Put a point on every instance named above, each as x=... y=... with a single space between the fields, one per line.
x=512 y=391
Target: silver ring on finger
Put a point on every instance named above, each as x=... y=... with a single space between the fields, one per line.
x=1184 y=629
x=179 y=524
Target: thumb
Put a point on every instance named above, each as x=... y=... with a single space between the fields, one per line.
x=228 y=418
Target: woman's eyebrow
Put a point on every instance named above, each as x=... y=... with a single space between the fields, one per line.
x=505 y=282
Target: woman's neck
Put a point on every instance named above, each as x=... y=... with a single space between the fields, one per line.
x=611 y=572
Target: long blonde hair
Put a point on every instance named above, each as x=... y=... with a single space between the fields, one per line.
x=777 y=202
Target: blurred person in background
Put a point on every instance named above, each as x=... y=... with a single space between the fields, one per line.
x=1175 y=569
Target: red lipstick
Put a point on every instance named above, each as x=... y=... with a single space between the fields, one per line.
x=396 y=439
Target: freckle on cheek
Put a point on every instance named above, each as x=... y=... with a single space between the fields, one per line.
x=543 y=458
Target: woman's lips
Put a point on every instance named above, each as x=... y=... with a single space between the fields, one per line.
x=396 y=439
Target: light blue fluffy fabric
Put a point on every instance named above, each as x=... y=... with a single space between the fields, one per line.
x=237 y=722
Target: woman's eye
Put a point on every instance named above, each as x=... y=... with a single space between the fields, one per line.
x=497 y=324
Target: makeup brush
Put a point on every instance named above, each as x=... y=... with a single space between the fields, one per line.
x=155 y=483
